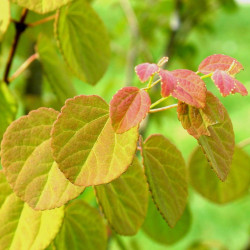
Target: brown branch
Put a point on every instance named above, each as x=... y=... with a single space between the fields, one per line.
x=20 y=28
x=44 y=20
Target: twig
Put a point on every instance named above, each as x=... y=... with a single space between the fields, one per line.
x=23 y=67
x=44 y=20
x=20 y=28
x=163 y=108
x=244 y=143
x=158 y=102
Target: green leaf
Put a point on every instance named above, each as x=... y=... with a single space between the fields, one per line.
x=85 y=145
x=82 y=228
x=83 y=41
x=28 y=163
x=156 y=227
x=4 y=17
x=8 y=108
x=54 y=70
x=23 y=228
x=219 y=146
x=196 y=121
x=205 y=182
x=167 y=177
x=124 y=201
x=41 y=6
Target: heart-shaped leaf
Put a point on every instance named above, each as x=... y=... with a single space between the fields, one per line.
x=21 y=227
x=85 y=145
x=205 y=182
x=167 y=177
x=128 y=108
x=145 y=70
x=28 y=163
x=168 y=82
x=124 y=201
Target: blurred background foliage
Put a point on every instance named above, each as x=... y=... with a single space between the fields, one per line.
x=143 y=31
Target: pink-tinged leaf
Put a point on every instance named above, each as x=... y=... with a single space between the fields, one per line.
x=168 y=82
x=128 y=108
x=239 y=88
x=190 y=88
x=220 y=62
x=145 y=70
x=162 y=61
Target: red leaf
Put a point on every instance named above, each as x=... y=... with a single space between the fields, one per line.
x=168 y=82
x=128 y=108
x=239 y=88
x=220 y=62
x=145 y=70
x=190 y=88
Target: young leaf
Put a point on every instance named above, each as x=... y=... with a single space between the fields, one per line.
x=83 y=41
x=167 y=177
x=21 y=227
x=158 y=230
x=124 y=201
x=145 y=70
x=28 y=163
x=128 y=108
x=190 y=88
x=41 y=6
x=86 y=147
x=239 y=88
x=4 y=17
x=54 y=70
x=168 y=82
x=220 y=62
x=162 y=61
x=205 y=182
x=82 y=228
x=196 y=121
x=219 y=146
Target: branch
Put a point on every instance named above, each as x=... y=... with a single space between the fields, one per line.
x=20 y=28
x=244 y=143
x=163 y=108
x=44 y=20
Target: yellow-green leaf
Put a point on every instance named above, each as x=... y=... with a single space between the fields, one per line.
x=41 y=6
x=23 y=228
x=83 y=41
x=28 y=163
x=4 y=17
x=205 y=182
x=54 y=70
x=85 y=145
x=157 y=228
x=82 y=228
x=167 y=177
x=124 y=201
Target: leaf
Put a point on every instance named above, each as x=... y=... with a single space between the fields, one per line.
x=54 y=70
x=124 y=201
x=207 y=184
x=220 y=62
x=86 y=147
x=227 y=84
x=83 y=41
x=4 y=17
x=28 y=163
x=219 y=146
x=167 y=177
x=168 y=82
x=196 y=121
x=158 y=230
x=82 y=228
x=41 y=6
x=128 y=108
x=145 y=70
x=23 y=228
x=8 y=108
x=190 y=88
x=162 y=61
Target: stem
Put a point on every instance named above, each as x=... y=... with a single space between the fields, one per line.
x=158 y=102
x=206 y=76
x=23 y=67
x=44 y=20
x=20 y=28
x=151 y=85
x=244 y=143
x=163 y=108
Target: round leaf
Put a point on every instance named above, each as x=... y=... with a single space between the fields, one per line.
x=124 y=201
x=83 y=41
x=28 y=163
x=205 y=182
x=167 y=177
x=4 y=17
x=23 y=228
x=145 y=70
x=168 y=82
x=86 y=147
